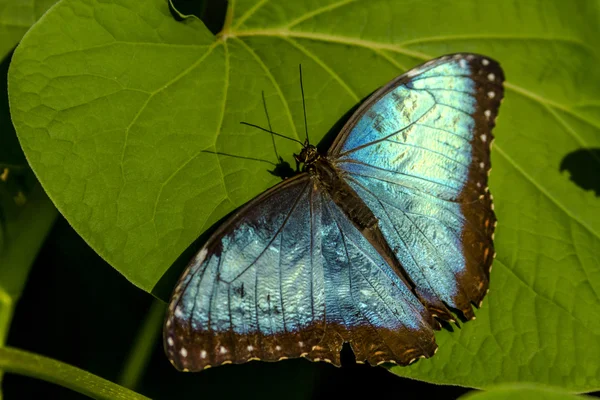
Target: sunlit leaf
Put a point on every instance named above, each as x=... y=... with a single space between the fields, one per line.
x=519 y=391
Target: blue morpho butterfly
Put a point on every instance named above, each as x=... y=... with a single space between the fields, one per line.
x=371 y=244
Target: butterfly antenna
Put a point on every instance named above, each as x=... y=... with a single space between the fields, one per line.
x=303 y=103
x=220 y=153
x=271 y=132
x=269 y=123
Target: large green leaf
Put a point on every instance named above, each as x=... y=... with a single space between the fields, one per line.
x=521 y=391
x=116 y=107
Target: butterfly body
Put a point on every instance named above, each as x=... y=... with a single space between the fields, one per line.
x=324 y=173
x=371 y=241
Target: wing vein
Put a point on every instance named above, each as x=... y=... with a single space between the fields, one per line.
x=392 y=134
x=281 y=287
x=444 y=130
x=439 y=103
x=274 y=235
x=481 y=81
x=352 y=289
x=393 y=172
x=428 y=150
x=312 y=302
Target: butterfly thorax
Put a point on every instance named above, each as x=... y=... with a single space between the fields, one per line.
x=329 y=179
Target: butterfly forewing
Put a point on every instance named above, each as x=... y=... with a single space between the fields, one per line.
x=418 y=153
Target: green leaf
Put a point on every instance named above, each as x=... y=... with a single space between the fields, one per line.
x=15 y=19
x=120 y=110
x=520 y=391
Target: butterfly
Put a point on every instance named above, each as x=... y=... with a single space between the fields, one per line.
x=373 y=243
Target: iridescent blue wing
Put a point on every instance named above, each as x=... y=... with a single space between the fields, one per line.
x=418 y=153
x=288 y=276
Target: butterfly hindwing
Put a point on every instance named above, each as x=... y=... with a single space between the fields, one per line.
x=287 y=276
x=418 y=153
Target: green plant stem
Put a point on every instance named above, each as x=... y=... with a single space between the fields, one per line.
x=140 y=353
x=24 y=363
x=6 y=313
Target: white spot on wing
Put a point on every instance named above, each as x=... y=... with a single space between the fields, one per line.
x=178 y=312
x=463 y=63
x=481 y=165
x=484 y=138
x=301 y=344
x=203 y=354
x=250 y=348
x=183 y=352
x=222 y=350
x=488 y=114
x=170 y=341
x=491 y=95
x=201 y=256
x=485 y=61
x=278 y=348
x=491 y=77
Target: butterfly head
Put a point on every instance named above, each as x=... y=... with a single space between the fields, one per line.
x=308 y=155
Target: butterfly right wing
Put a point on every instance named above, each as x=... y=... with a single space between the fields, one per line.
x=289 y=276
x=417 y=152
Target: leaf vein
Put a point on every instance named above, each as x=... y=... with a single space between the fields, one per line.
x=275 y=84
x=322 y=64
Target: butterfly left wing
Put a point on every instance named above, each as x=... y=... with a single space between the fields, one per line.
x=251 y=292
x=288 y=276
x=418 y=153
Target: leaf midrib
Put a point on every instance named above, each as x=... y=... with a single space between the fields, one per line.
x=378 y=47
x=396 y=48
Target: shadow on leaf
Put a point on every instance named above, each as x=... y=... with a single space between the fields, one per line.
x=211 y=12
x=583 y=166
